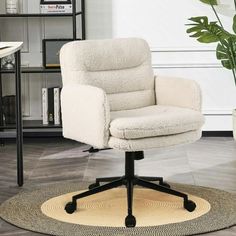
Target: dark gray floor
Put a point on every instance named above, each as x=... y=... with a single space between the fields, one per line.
x=208 y=162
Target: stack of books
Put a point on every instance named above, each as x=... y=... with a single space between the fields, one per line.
x=55 y=7
x=51 y=107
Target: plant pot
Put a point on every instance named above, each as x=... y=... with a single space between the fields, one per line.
x=234 y=123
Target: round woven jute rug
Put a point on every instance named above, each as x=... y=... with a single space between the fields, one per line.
x=42 y=210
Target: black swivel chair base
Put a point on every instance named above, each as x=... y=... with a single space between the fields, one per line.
x=129 y=180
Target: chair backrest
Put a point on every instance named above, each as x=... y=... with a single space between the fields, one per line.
x=121 y=67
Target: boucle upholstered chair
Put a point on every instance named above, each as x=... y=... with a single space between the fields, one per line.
x=111 y=99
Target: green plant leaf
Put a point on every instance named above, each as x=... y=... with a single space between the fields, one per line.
x=225 y=52
x=210 y=2
x=207 y=37
x=205 y=31
x=199 y=19
x=234 y=24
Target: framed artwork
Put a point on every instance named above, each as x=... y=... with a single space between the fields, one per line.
x=51 y=51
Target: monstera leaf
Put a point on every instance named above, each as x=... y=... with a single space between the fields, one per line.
x=205 y=31
x=226 y=53
x=210 y=2
x=234 y=24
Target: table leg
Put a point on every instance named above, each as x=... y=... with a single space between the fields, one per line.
x=1 y=107
x=19 y=132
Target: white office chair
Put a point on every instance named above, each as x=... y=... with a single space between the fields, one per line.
x=111 y=99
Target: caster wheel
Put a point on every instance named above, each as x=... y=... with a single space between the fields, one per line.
x=70 y=207
x=164 y=184
x=92 y=186
x=189 y=205
x=130 y=221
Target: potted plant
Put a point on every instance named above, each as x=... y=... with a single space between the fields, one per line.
x=206 y=31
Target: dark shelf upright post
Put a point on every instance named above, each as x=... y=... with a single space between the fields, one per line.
x=83 y=19
x=19 y=126
x=74 y=20
x=1 y=103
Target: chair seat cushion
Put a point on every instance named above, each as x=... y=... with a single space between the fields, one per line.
x=141 y=144
x=153 y=121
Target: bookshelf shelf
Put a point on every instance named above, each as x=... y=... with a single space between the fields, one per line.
x=31 y=124
x=32 y=70
x=39 y=15
x=49 y=132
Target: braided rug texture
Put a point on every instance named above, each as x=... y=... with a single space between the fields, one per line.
x=24 y=211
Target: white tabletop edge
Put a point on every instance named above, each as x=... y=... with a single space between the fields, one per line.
x=13 y=47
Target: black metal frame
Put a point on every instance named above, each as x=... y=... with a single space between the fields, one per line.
x=19 y=132
x=130 y=180
x=1 y=107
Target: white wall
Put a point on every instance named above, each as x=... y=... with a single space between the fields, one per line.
x=161 y=23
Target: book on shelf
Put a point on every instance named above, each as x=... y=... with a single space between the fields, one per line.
x=57 y=107
x=51 y=106
x=45 y=105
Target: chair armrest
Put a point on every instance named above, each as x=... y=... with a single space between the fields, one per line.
x=178 y=92
x=85 y=114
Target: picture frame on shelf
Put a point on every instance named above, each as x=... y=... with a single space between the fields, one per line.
x=51 y=50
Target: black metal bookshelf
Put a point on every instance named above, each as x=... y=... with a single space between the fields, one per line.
x=36 y=127
x=39 y=15
x=32 y=133
x=33 y=70
x=73 y=15
x=31 y=124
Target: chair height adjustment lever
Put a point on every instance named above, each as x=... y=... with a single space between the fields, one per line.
x=94 y=150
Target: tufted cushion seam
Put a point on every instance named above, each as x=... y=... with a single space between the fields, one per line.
x=156 y=136
x=120 y=129
x=133 y=91
x=144 y=63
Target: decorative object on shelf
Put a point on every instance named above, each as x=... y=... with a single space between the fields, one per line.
x=51 y=50
x=9 y=112
x=8 y=62
x=55 y=7
x=12 y=6
x=206 y=31
x=51 y=106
